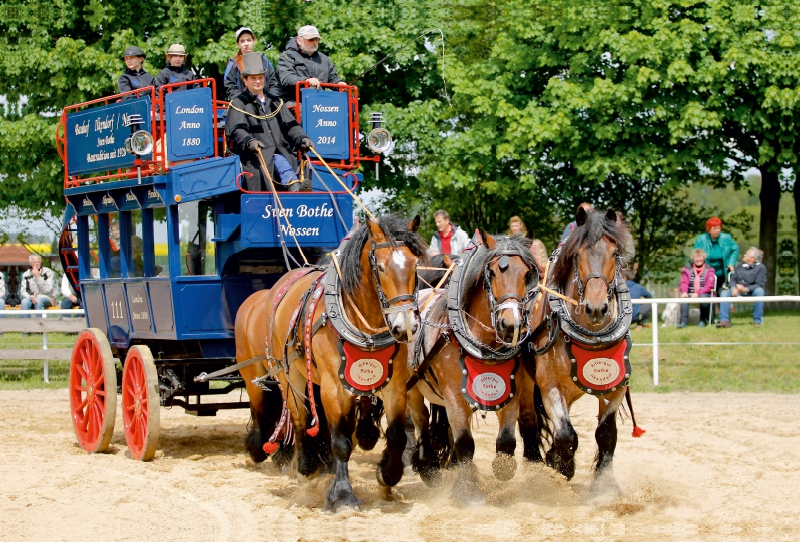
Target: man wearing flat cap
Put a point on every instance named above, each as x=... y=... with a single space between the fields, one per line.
x=175 y=71
x=257 y=124
x=234 y=86
x=134 y=76
x=301 y=61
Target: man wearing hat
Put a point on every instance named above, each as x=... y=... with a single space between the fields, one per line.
x=257 y=124
x=175 y=72
x=234 y=86
x=134 y=76
x=301 y=61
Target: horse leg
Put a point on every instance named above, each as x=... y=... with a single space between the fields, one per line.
x=528 y=423
x=504 y=464
x=368 y=429
x=265 y=411
x=305 y=446
x=606 y=436
x=561 y=455
x=340 y=411
x=424 y=461
x=390 y=467
x=466 y=487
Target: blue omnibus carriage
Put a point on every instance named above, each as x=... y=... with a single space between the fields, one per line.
x=163 y=245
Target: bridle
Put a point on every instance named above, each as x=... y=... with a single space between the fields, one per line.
x=513 y=301
x=610 y=285
x=387 y=307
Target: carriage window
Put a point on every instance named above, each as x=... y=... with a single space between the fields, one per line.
x=196 y=230
x=137 y=245
x=160 y=237
x=114 y=244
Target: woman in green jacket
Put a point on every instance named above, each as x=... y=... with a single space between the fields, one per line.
x=722 y=250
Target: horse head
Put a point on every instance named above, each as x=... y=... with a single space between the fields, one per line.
x=393 y=254
x=593 y=249
x=510 y=272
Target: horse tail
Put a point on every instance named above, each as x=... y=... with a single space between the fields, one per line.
x=544 y=428
x=368 y=423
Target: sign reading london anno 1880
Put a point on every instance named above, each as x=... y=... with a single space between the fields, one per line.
x=190 y=124
x=96 y=137
x=325 y=121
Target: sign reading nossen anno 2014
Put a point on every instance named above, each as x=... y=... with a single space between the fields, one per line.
x=96 y=137
x=190 y=124
x=325 y=121
x=311 y=218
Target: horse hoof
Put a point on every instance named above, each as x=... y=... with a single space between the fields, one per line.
x=504 y=467
x=343 y=499
x=388 y=494
x=301 y=479
x=431 y=477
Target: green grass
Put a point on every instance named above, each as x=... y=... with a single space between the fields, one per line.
x=770 y=367
x=682 y=367
x=27 y=374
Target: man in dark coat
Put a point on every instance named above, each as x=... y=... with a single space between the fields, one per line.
x=234 y=85
x=301 y=61
x=257 y=123
x=134 y=76
x=749 y=278
x=175 y=72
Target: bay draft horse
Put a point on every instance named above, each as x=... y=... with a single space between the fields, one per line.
x=495 y=294
x=586 y=269
x=376 y=270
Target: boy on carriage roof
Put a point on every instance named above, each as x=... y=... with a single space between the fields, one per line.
x=234 y=85
x=175 y=72
x=257 y=123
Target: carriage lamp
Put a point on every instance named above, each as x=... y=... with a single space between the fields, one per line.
x=139 y=143
x=379 y=139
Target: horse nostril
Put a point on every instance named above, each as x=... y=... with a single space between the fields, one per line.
x=604 y=309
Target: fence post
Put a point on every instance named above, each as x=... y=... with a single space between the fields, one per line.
x=44 y=347
x=655 y=342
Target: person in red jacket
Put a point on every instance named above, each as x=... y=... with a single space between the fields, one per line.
x=697 y=280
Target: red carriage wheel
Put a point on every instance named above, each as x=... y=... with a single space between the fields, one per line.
x=93 y=390
x=140 y=403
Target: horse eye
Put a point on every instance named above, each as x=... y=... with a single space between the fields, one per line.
x=381 y=268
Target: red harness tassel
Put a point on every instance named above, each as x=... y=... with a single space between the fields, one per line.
x=314 y=430
x=637 y=431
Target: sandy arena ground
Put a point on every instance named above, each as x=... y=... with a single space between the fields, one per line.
x=711 y=467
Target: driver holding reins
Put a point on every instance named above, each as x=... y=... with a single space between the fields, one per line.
x=257 y=123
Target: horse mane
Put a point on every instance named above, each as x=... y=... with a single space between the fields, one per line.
x=593 y=230
x=395 y=228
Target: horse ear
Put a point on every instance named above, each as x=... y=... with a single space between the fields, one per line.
x=529 y=235
x=488 y=240
x=447 y=260
x=581 y=216
x=413 y=226
x=375 y=231
x=611 y=215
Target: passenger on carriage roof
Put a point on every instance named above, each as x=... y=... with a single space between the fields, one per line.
x=234 y=85
x=301 y=61
x=175 y=72
x=254 y=122
x=134 y=76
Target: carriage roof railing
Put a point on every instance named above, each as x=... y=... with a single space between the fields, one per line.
x=158 y=163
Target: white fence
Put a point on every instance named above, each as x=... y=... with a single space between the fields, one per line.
x=655 y=302
x=44 y=322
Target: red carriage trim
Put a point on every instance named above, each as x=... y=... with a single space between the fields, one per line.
x=365 y=372
x=600 y=371
x=488 y=387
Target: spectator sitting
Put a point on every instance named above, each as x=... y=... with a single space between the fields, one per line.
x=135 y=76
x=721 y=250
x=697 y=280
x=572 y=225
x=449 y=238
x=641 y=313
x=175 y=72
x=749 y=278
x=301 y=61
x=71 y=300
x=36 y=287
x=234 y=85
